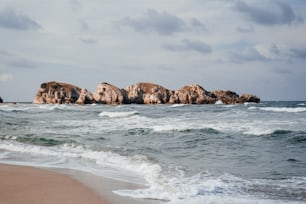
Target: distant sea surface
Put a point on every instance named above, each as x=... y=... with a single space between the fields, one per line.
x=249 y=153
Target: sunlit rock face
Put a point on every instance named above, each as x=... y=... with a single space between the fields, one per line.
x=141 y=93
x=62 y=93
x=230 y=97
x=250 y=98
x=193 y=94
x=147 y=93
x=227 y=96
x=109 y=94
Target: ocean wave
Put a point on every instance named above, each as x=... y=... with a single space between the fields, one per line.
x=117 y=114
x=205 y=188
x=280 y=109
x=163 y=183
x=177 y=105
x=134 y=169
x=35 y=108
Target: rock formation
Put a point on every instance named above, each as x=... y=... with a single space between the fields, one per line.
x=85 y=97
x=61 y=93
x=249 y=98
x=109 y=94
x=147 y=93
x=193 y=94
x=1 y=100
x=227 y=97
x=140 y=93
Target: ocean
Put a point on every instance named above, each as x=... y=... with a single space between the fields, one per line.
x=246 y=153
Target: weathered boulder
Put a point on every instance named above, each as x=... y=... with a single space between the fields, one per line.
x=227 y=97
x=61 y=93
x=1 y=100
x=109 y=94
x=250 y=98
x=85 y=97
x=193 y=94
x=147 y=93
x=141 y=93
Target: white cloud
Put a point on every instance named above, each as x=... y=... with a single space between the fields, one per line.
x=5 y=76
x=211 y=42
x=187 y=45
x=163 y=23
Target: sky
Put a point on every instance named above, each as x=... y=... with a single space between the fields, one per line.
x=248 y=46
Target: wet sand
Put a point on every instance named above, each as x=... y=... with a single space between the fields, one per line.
x=27 y=185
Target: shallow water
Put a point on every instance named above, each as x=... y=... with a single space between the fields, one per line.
x=250 y=153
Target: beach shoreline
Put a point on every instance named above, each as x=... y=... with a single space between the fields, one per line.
x=24 y=184
x=27 y=184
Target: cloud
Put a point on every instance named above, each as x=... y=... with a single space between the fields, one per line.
x=162 y=23
x=4 y=77
x=298 y=53
x=278 y=13
x=197 y=25
x=247 y=29
x=75 y=5
x=187 y=45
x=84 y=25
x=88 y=40
x=22 y=63
x=247 y=55
x=15 y=61
x=11 y=20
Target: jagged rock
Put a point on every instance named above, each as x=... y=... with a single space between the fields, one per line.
x=174 y=98
x=140 y=93
x=109 y=94
x=250 y=98
x=58 y=93
x=193 y=94
x=227 y=97
x=1 y=100
x=147 y=93
x=85 y=97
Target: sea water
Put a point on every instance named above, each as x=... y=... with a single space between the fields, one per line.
x=248 y=153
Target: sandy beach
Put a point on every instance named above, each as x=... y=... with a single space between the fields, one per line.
x=21 y=184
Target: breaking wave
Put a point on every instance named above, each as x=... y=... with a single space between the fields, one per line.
x=117 y=114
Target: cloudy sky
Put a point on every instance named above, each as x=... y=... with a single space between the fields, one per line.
x=253 y=46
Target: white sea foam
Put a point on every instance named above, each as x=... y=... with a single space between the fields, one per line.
x=281 y=109
x=202 y=188
x=33 y=108
x=219 y=102
x=165 y=182
x=104 y=163
x=177 y=105
x=171 y=185
x=117 y=114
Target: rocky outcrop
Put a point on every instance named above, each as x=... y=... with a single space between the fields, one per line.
x=250 y=98
x=85 y=97
x=61 y=93
x=230 y=97
x=147 y=93
x=227 y=97
x=140 y=93
x=109 y=94
x=1 y=100
x=192 y=94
